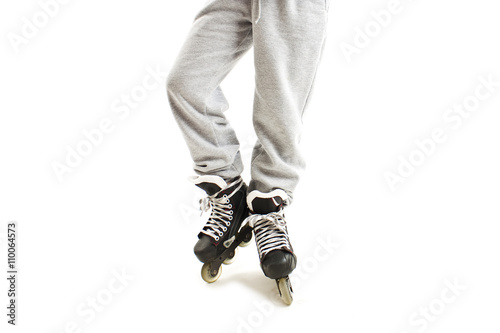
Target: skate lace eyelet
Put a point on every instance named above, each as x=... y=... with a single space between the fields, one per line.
x=230 y=206
x=231 y=212
x=230 y=218
x=228 y=223
x=224 y=228
x=216 y=238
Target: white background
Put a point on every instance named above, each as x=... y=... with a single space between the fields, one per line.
x=129 y=207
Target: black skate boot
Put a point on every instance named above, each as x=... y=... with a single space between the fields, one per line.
x=223 y=232
x=277 y=259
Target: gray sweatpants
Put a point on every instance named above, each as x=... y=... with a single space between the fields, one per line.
x=287 y=37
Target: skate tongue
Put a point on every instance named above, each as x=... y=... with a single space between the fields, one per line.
x=210 y=184
x=210 y=188
x=267 y=205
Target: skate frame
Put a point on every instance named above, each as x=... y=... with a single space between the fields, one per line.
x=242 y=234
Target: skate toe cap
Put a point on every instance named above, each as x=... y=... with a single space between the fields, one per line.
x=205 y=250
x=278 y=264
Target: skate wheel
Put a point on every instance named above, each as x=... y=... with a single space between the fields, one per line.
x=229 y=260
x=285 y=289
x=208 y=274
x=247 y=240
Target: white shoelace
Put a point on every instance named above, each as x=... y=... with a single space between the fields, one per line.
x=270 y=232
x=221 y=215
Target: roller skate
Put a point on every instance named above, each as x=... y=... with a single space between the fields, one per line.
x=223 y=232
x=277 y=259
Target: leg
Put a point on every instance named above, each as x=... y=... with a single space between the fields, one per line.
x=288 y=42
x=221 y=34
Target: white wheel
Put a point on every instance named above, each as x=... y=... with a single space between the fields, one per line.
x=208 y=274
x=285 y=289
x=230 y=260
